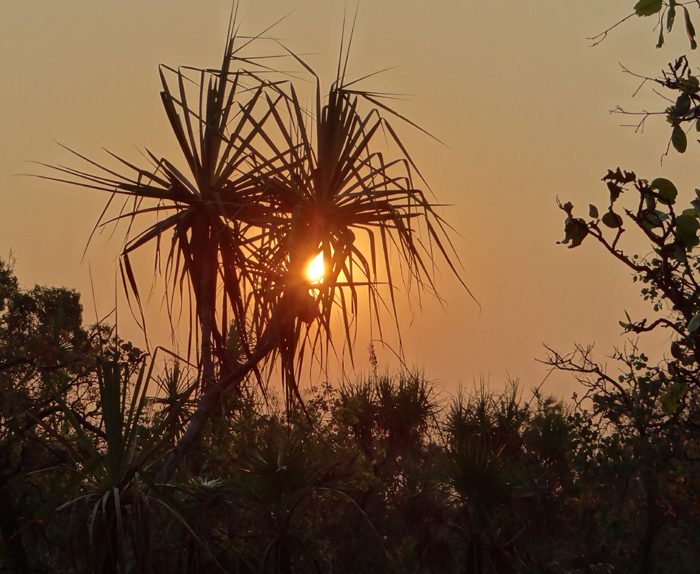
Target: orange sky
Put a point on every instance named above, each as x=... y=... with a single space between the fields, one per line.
x=512 y=88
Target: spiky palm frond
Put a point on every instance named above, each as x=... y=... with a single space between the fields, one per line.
x=213 y=214
x=333 y=182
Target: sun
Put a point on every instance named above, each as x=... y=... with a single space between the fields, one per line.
x=315 y=269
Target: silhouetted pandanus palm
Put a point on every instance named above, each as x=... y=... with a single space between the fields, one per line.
x=272 y=185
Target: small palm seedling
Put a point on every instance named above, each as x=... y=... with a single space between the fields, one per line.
x=282 y=471
x=505 y=466
x=112 y=515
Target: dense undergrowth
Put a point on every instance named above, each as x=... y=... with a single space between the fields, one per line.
x=380 y=474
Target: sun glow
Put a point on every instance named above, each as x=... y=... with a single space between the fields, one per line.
x=315 y=269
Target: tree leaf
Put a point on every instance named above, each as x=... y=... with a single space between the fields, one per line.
x=615 y=191
x=682 y=104
x=669 y=400
x=670 y=16
x=667 y=191
x=687 y=230
x=696 y=206
x=575 y=231
x=679 y=139
x=648 y=7
x=612 y=220
x=678 y=390
x=690 y=29
x=694 y=323
x=689 y=85
x=668 y=403
x=593 y=211
x=654 y=218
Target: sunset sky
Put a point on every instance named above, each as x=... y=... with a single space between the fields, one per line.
x=513 y=89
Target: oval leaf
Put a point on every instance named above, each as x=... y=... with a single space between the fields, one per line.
x=667 y=191
x=593 y=211
x=668 y=403
x=689 y=85
x=694 y=323
x=678 y=390
x=653 y=218
x=612 y=220
x=648 y=7
x=687 y=230
x=679 y=140
x=682 y=104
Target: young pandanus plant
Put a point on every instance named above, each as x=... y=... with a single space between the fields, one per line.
x=112 y=464
x=272 y=185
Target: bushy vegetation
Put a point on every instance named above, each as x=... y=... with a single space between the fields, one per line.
x=381 y=474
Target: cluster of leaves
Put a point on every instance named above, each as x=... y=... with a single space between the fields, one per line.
x=51 y=387
x=634 y=505
x=43 y=353
x=667 y=17
x=639 y=428
x=665 y=11
x=670 y=273
x=636 y=459
x=684 y=113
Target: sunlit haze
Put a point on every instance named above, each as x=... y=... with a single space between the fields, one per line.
x=315 y=270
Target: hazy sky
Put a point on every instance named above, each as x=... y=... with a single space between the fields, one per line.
x=513 y=88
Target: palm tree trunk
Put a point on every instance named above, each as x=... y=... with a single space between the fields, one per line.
x=292 y=305
x=646 y=563
x=207 y=406
x=204 y=270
